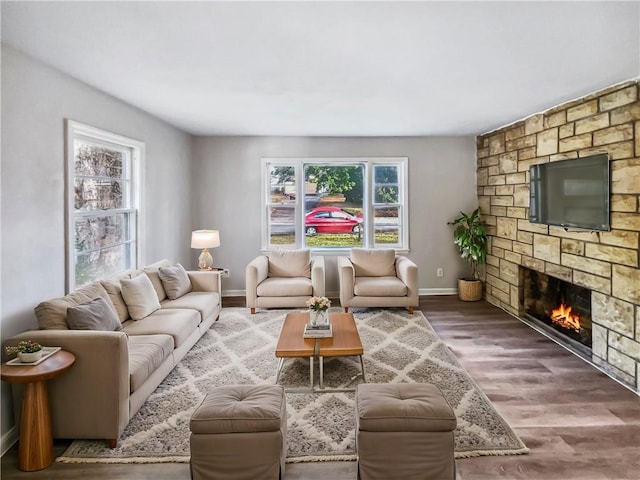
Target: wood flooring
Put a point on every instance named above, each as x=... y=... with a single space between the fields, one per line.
x=578 y=423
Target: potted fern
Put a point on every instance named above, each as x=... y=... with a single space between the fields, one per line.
x=471 y=238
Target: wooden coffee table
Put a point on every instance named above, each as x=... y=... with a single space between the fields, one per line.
x=344 y=343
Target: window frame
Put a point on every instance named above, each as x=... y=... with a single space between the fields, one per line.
x=136 y=151
x=299 y=163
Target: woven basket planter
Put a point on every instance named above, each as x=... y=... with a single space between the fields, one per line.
x=469 y=290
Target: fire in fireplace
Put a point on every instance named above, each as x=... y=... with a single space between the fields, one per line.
x=560 y=307
x=563 y=317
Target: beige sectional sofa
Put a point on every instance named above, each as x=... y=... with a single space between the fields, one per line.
x=116 y=371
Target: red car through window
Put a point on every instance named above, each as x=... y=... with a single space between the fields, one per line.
x=331 y=220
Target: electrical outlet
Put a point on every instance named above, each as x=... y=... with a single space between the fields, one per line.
x=225 y=272
x=440 y=272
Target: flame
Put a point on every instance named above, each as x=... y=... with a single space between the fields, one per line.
x=562 y=316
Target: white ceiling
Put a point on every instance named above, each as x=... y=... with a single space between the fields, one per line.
x=334 y=68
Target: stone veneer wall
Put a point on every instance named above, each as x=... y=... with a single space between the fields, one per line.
x=606 y=262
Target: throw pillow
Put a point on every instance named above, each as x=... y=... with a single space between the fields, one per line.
x=94 y=315
x=290 y=263
x=373 y=263
x=140 y=296
x=175 y=281
x=52 y=314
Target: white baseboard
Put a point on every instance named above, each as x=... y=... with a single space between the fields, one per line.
x=422 y=291
x=233 y=293
x=8 y=439
x=437 y=291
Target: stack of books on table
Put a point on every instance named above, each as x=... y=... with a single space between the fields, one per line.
x=318 y=331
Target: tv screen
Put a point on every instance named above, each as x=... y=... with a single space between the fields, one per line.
x=571 y=193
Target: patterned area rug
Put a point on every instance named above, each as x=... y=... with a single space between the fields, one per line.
x=239 y=349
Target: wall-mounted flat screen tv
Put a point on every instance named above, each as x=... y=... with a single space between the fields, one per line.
x=571 y=193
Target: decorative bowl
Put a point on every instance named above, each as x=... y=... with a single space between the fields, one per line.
x=29 y=357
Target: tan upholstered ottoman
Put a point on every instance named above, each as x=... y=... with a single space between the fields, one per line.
x=404 y=430
x=239 y=432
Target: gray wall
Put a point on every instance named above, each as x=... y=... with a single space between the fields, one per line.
x=442 y=181
x=35 y=102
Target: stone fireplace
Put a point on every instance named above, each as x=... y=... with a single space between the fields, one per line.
x=606 y=264
x=559 y=309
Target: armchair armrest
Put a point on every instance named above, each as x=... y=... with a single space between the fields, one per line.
x=346 y=277
x=91 y=400
x=407 y=271
x=317 y=276
x=256 y=272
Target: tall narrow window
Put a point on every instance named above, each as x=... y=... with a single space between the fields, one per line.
x=387 y=205
x=331 y=203
x=103 y=203
x=281 y=204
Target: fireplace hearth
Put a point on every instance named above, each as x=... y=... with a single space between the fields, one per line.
x=560 y=309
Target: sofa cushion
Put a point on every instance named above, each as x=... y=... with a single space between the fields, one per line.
x=379 y=287
x=146 y=354
x=52 y=314
x=285 y=287
x=368 y=262
x=140 y=296
x=203 y=302
x=179 y=323
x=97 y=314
x=290 y=263
x=175 y=281
x=152 y=273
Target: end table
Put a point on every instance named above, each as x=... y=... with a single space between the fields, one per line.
x=35 y=450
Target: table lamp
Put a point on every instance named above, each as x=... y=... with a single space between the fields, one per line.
x=205 y=239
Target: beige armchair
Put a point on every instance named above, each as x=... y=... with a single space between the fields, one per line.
x=377 y=278
x=283 y=279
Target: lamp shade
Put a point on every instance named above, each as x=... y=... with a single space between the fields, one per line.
x=205 y=239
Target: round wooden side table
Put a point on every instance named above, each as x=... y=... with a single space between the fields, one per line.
x=35 y=450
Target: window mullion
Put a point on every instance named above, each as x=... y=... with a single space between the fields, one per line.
x=367 y=206
x=301 y=191
x=104 y=247
x=101 y=213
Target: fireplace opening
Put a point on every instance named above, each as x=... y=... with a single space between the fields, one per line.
x=561 y=308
